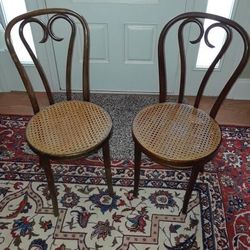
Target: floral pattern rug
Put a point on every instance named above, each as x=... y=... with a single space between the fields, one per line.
x=218 y=214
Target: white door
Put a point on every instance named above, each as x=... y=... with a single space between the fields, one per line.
x=123 y=39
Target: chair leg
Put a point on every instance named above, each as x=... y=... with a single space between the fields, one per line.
x=45 y=164
x=107 y=165
x=193 y=177
x=137 y=167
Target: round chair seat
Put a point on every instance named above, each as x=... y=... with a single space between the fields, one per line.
x=178 y=134
x=68 y=128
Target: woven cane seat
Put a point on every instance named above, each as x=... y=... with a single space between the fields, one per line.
x=176 y=133
x=68 y=128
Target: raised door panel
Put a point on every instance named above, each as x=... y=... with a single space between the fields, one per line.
x=124 y=36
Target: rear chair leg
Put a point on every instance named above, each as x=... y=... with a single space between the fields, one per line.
x=192 y=181
x=107 y=165
x=137 y=170
x=45 y=164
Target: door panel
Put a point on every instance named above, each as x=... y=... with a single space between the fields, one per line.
x=123 y=42
x=123 y=46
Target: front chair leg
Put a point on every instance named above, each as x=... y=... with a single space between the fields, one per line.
x=137 y=169
x=190 y=187
x=45 y=164
x=107 y=165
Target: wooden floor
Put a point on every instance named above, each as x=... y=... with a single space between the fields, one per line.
x=232 y=112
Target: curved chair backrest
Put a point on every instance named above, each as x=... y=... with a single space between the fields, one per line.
x=47 y=28
x=198 y=18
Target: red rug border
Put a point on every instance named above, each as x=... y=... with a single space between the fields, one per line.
x=224 y=125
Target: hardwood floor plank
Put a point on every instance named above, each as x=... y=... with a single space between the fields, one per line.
x=232 y=112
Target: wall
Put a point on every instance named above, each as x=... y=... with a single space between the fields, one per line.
x=123 y=60
x=246 y=73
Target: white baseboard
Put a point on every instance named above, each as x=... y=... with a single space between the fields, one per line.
x=123 y=92
x=240 y=91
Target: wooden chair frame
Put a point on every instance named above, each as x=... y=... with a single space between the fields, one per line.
x=54 y=14
x=197 y=164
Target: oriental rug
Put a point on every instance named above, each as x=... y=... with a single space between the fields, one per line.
x=218 y=215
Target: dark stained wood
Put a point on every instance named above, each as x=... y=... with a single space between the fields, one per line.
x=194 y=174
x=107 y=165
x=197 y=17
x=45 y=164
x=66 y=143
x=33 y=17
x=171 y=134
x=137 y=163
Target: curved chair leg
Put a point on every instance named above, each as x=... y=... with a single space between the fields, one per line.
x=193 y=177
x=137 y=170
x=45 y=164
x=107 y=165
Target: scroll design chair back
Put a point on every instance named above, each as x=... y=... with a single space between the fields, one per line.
x=177 y=134
x=67 y=129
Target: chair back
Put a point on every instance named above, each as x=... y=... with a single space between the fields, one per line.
x=197 y=18
x=51 y=16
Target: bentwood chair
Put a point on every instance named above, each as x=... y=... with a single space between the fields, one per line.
x=67 y=129
x=177 y=134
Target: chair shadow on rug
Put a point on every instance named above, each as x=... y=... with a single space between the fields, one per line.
x=71 y=128
x=177 y=134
